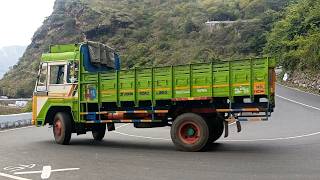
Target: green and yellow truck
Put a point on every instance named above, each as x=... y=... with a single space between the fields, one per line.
x=81 y=88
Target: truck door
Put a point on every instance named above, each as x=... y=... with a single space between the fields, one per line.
x=61 y=81
x=40 y=94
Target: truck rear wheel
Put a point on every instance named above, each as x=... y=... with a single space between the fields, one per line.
x=99 y=132
x=62 y=128
x=190 y=132
x=216 y=128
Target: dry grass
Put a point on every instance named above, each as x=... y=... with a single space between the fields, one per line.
x=10 y=110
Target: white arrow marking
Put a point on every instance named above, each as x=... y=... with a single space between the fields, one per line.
x=13 y=177
x=46 y=172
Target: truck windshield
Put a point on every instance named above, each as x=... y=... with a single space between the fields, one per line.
x=57 y=74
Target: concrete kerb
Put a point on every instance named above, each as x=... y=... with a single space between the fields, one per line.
x=15 y=120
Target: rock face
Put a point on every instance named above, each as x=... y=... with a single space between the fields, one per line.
x=71 y=22
x=306 y=80
x=146 y=32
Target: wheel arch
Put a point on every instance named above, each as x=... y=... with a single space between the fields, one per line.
x=176 y=111
x=54 y=110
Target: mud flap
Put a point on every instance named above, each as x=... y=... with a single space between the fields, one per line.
x=238 y=126
x=226 y=129
x=111 y=127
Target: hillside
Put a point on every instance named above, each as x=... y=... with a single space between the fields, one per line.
x=295 y=41
x=9 y=56
x=151 y=32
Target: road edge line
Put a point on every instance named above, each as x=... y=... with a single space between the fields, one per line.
x=272 y=139
x=296 y=89
x=306 y=105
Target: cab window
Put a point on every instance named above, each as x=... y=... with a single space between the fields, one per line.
x=43 y=75
x=42 y=78
x=57 y=74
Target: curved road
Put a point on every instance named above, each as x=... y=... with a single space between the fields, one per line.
x=285 y=147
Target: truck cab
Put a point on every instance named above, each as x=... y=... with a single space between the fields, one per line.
x=57 y=80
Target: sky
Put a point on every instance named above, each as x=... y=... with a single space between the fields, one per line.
x=19 y=19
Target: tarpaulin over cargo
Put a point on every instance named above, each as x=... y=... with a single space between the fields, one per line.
x=101 y=55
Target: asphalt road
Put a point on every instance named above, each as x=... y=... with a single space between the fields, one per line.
x=285 y=147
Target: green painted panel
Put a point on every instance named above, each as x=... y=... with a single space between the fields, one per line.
x=221 y=84
x=162 y=83
x=241 y=78
x=61 y=48
x=92 y=78
x=66 y=56
x=201 y=80
x=144 y=84
x=108 y=87
x=63 y=102
x=220 y=79
x=181 y=81
x=127 y=85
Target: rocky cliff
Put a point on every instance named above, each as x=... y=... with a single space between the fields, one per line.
x=149 y=32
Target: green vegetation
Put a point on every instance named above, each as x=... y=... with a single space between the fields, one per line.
x=295 y=40
x=28 y=107
x=169 y=32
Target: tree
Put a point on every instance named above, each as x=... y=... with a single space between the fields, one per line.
x=295 y=39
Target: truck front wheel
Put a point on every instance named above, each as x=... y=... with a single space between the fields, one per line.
x=99 y=132
x=190 y=132
x=62 y=128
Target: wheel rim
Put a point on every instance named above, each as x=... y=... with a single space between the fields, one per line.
x=189 y=132
x=58 y=128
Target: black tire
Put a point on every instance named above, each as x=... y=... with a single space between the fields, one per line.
x=216 y=128
x=190 y=132
x=99 y=132
x=62 y=128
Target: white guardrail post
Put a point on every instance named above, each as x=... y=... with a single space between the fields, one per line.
x=15 y=120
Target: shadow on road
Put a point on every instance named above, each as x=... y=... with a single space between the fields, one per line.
x=243 y=148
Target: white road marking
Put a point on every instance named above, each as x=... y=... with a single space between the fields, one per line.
x=122 y=126
x=16 y=129
x=228 y=140
x=296 y=89
x=40 y=172
x=19 y=167
x=306 y=105
x=46 y=172
x=274 y=139
x=137 y=136
x=28 y=172
x=12 y=177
